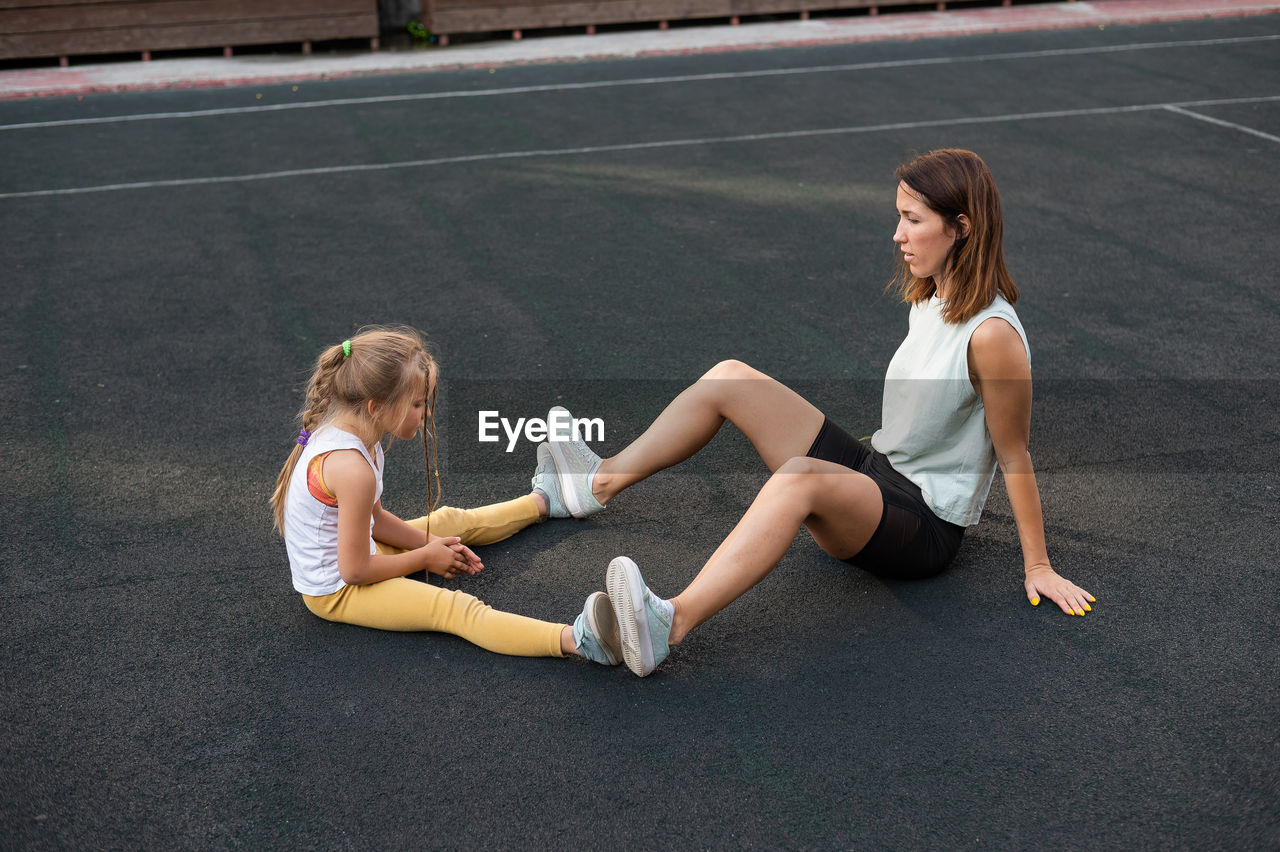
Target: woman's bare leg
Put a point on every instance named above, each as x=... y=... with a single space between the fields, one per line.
x=779 y=422
x=841 y=508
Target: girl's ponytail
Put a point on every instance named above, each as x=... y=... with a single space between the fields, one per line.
x=315 y=413
x=282 y=487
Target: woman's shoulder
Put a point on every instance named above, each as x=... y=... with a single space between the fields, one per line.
x=997 y=336
x=994 y=330
x=999 y=309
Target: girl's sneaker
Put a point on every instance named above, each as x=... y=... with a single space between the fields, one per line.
x=644 y=619
x=575 y=465
x=596 y=631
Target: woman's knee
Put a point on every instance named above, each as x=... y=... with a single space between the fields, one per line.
x=817 y=483
x=733 y=370
x=802 y=465
x=730 y=385
x=798 y=479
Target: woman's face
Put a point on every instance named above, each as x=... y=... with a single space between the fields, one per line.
x=923 y=236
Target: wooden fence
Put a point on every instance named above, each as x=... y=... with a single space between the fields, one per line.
x=63 y=28
x=445 y=17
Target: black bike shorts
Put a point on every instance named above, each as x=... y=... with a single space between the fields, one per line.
x=911 y=542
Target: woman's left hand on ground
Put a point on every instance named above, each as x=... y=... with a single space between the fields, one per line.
x=1045 y=582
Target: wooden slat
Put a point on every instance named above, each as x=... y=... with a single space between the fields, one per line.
x=36 y=4
x=641 y=7
x=459 y=16
x=167 y=13
x=130 y=39
x=485 y=16
x=296 y=5
x=689 y=6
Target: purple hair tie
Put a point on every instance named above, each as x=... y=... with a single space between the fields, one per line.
x=303 y=437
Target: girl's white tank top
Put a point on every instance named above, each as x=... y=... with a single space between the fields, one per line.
x=311 y=526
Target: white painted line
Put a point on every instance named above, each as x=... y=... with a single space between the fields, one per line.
x=1218 y=121
x=642 y=81
x=632 y=146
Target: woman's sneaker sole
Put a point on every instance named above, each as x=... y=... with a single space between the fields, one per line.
x=626 y=592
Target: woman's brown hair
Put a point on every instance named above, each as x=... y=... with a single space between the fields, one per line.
x=385 y=364
x=952 y=183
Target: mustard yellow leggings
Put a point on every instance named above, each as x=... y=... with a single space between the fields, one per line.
x=404 y=604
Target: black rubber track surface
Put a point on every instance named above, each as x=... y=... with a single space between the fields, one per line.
x=165 y=291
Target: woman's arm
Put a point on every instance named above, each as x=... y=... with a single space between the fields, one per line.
x=352 y=482
x=1001 y=374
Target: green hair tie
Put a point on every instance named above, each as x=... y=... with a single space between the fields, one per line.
x=346 y=349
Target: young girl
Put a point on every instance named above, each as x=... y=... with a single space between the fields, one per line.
x=350 y=557
x=957 y=404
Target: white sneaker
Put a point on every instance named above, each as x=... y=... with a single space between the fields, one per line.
x=644 y=619
x=575 y=465
x=547 y=483
x=595 y=631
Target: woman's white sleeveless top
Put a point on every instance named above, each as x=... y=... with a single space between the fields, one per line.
x=310 y=526
x=933 y=428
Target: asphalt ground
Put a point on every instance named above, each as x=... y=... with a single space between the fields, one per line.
x=598 y=234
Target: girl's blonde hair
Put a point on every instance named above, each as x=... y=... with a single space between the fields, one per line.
x=951 y=182
x=383 y=364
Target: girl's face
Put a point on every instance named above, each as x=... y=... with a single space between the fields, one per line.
x=923 y=236
x=411 y=421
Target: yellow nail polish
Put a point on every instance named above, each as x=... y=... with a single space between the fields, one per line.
x=1092 y=599
x=1088 y=608
x=1035 y=602
x=1079 y=612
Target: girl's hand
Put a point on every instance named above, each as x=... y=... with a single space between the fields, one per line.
x=1066 y=594
x=473 y=563
x=449 y=558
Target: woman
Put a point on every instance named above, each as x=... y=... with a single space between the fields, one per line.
x=957 y=402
